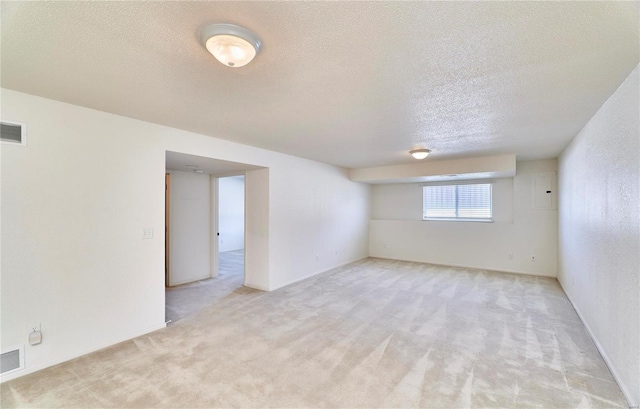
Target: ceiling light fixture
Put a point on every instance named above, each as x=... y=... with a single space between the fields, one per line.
x=232 y=45
x=420 y=153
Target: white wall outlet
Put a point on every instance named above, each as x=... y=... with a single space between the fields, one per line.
x=35 y=333
x=147 y=233
x=510 y=256
x=35 y=338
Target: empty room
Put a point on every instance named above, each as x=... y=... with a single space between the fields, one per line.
x=384 y=204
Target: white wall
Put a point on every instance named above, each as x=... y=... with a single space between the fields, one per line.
x=398 y=231
x=321 y=220
x=599 y=242
x=190 y=229
x=257 y=260
x=231 y=213
x=74 y=203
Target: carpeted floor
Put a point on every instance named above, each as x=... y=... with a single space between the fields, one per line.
x=188 y=299
x=375 y=333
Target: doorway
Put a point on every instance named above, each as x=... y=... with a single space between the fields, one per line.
x=206 y=245
x=231 y=193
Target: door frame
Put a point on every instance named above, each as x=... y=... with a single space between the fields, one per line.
x=256 y=227
x=215 y=223
x=214 y=228
x=167 y=225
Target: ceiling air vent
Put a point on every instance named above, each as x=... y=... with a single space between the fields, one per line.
x=12 y=360
x=14 y=133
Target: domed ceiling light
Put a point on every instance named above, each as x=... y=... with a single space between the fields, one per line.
x=420 y=153
x=232 y=45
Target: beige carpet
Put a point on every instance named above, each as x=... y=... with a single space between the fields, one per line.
x=376 y=333
x=188 y=299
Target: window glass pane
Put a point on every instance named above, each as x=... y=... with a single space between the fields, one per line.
x=474 y=201
x=439 y=201
x=471 y=201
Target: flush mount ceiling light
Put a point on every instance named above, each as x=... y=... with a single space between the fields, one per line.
x=420 y=153
x=232 y=45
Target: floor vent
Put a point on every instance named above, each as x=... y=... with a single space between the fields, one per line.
x=12 y=360
x=13 y=133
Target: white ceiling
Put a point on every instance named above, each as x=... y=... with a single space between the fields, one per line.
x=353 y=84
x=180 y=161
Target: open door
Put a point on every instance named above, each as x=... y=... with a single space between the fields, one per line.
x=230 y=234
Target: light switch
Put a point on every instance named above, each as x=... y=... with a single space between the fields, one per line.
x=147 y=233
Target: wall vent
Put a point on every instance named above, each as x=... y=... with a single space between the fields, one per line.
x=13 y=133
x=12 y=360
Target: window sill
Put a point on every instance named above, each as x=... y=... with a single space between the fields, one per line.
x=444 y=219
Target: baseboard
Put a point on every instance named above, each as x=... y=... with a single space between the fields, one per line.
x=256 y=287
x=605 y=357
x=191 y=280
x=35 y=368
x=500 y=270
x=297 y=280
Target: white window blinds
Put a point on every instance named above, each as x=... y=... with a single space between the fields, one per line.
x=470 y=201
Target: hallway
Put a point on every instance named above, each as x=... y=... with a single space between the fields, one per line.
x=187 y=299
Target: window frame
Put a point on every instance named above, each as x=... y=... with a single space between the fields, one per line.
x=460 y=219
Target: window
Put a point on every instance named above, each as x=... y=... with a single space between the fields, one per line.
x=457 y=202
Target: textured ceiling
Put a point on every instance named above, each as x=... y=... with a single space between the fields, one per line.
x=353 y=84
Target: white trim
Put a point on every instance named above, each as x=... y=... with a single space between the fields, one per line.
x=256 y=287
x=23 y=133
x=456 y=219
x=297 y=280
x=499 y=270
x=214 y=204
x=605 y=357
x=190 y=280
x=71 y=356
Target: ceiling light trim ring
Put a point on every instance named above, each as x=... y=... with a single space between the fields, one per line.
x=420 y=153
x=225 y=29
